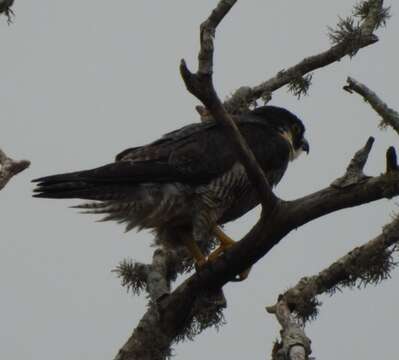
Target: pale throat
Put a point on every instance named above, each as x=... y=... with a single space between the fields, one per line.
x=294 y=153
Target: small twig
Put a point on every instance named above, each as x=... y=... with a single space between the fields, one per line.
x=294 y=345
x=245 y=96
x=207 y=33
x=10 y=168
x=389 y=116
x=354 y=172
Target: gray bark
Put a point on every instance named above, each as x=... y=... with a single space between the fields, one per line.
x=10 y=168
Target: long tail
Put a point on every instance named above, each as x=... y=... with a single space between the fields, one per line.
x=81 y=190
x=114 y=181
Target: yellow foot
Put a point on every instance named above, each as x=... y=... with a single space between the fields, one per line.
x=225 y=243
x=220 y=250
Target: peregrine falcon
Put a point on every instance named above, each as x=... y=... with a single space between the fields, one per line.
x=189 y=182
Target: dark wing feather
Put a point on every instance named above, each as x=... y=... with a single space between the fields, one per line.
x=212 y=155
x=202 y=151
x=163 y=145
x=193 y=155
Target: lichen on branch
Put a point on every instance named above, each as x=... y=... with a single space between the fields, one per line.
x=368 y=264
x=10 y=168
x=5 y=8
x=390 y=117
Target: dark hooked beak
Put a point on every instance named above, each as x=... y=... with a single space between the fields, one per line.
x=305 y=146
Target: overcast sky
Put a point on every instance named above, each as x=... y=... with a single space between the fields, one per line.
x=82 y=80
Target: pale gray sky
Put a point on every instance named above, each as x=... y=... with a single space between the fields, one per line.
x=82 y=80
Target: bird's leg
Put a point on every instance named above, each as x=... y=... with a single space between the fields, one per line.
x=194 y=250
x=202 y=233
x=225 y=243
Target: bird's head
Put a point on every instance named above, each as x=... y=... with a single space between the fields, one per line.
x=288 y=125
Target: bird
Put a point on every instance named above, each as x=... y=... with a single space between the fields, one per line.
x=187 y=184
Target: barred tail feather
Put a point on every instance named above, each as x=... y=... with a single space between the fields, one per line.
x=130 y=212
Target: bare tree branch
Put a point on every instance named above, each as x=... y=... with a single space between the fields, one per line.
x=206 y=310
x=389 y=116
x=207 y=33
x=246 y=96
x=367 y=264
x=156 y=277
x=369 y=189
x=10 y=168
x=354 y=171
x=294 y=345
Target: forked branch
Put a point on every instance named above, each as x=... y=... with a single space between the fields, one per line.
x=354 y=172
x=294 y=345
